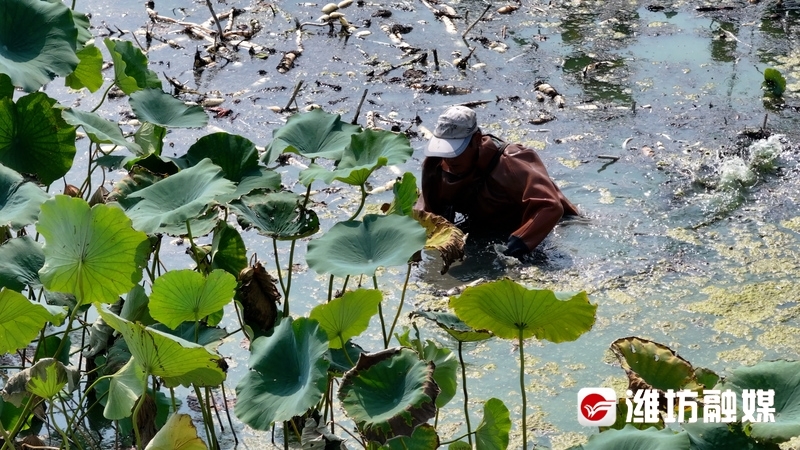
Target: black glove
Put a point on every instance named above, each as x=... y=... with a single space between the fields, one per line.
x=516 y=247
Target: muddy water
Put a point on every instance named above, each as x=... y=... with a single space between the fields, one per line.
x=655 y=99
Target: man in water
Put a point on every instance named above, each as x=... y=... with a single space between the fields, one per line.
x=494 y=186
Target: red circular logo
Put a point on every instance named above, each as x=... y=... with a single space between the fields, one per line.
x=589 y=407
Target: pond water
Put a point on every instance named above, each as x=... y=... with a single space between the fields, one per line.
x=655 y=99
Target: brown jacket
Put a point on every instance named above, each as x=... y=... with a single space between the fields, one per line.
x=509 y=191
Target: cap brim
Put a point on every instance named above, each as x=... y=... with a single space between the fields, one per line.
x=446 y=148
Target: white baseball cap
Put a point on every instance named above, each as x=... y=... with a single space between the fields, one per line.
x=454 y=129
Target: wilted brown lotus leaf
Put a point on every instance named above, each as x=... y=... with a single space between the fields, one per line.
x=259 y=297
x=442 y=236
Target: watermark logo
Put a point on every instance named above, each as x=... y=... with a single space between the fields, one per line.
x=597 y=407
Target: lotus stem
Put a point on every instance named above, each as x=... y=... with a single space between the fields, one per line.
x=135 y=418
x=451 y=441
x=206 y=419
x=278 y=265
x=330 y=289
x=61 y=433
x=289 y=279
x=216 y=20
x=344 y=286
x=70 y=320
x=209 y=402
x=8 y=442
x=380 y=314
x=156 y=253
x=228 y=413
x=296 y=431
x=103 y=98
x=464 y=388
x=285 y=436
x=522 y=392
x=172 y=397
x=361 y=204
x=402 y=300
x=344 y=349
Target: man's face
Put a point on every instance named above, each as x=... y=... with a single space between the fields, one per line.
x=463 y=163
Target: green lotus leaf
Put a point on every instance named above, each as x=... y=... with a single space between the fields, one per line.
x=187 y=296
x=389 y=393
x=442 y=236
x=492 y=432
x=459 y=445
x=177 y=198
x=158 y=107
x=507 y=308
x=179 y=433
x=629 y=438
x=621 y=421
x=99 y=129
x=279 y=215
x=341 y=363
x=150 y=137
x=88 y=74
x=347 y=316
x=92 y=253
x=405 y=195
x=48 y=377
x=258 y=179
x=367 y=152
x=21 y=320
x=446 y=366
x=203 y=334
x=424 y=437
x=774 y=82
x=784 y=378
x=130 y=67
x=228 y=251
x=318 y=437
x=47 y=347
x=236 y=155
x=126 y=386
x=19 y=200
x=706 y=377
x=315 y=134
x=655 y=364
x=454 y=326
x=31 y=58
x=34 y=138
x=288 y=374
x=177 y=361
x=6 y=87
x=715 y=436
x=360 y=247
x=83 y=25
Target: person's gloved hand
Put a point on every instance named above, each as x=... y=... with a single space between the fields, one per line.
x=516 y=247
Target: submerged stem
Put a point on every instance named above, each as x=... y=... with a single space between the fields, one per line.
x=402 y=300
x=466 y=396
x=522 y=392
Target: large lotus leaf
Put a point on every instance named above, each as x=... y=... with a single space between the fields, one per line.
x=446 y=366
x=130 y=67
x=784 y=378
x=21 y=320
x=443 y=237
x=654 y=363
x=405 y=195
x=19 y=200
x=179 y=433
x=629 y=438
x=187 y=296
x=88 y=74
x=126 y=386
x=99 y=129
x=177 y=198
x=454 y=326
x=279 y=215
x=258 y=179
x=507 y=308
x=368 y=151
x=492 y=433
x=315 y=134
x=424 y=437
x=716 y=436
x=389 y=393
x=355 y=248
x=34 y=138
x=203 y=334
x=175 y=360
x=92 y=253
x=158 y=107
x=235 y=154
x=347 y=316
x=83 y=25
x=38 y=40
x=288 y=374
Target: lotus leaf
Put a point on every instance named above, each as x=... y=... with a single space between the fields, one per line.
x=47 y=348
x=21 y=320
x=341 y=363
x=130 y=67
x=258 y=179
x=629 y=438
x=360 y=247
x=507 y=308
x=135 y=308
x=315 y=134
x=92 y=253
x=83 y=25
x=492 y=432
x=347 y=316
x=228 y=251
x=367 y=152
x=774 y=82
x=177 y=198
x=279 y=215
x=450 y=323
x=158 y=107
x=177 y=361
x=318 y=437
x=715 y=436
x=405 y=195
x=19 y=200
x=44 y=379
x=88 y=72
x=446 y=366
x=443 y=237
x=179 y=433
x=187 y=296
x=236 y=155
x=32 y=59
x=150 y=138
x=784 y=378
x=459 y=445
x=389 y=393
x=653 y=364
x=34 y=138
x=125 y=388
x=6 y=87
x=207 y=336
x=99 y=130
x=424 y=437
x=287 y=376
